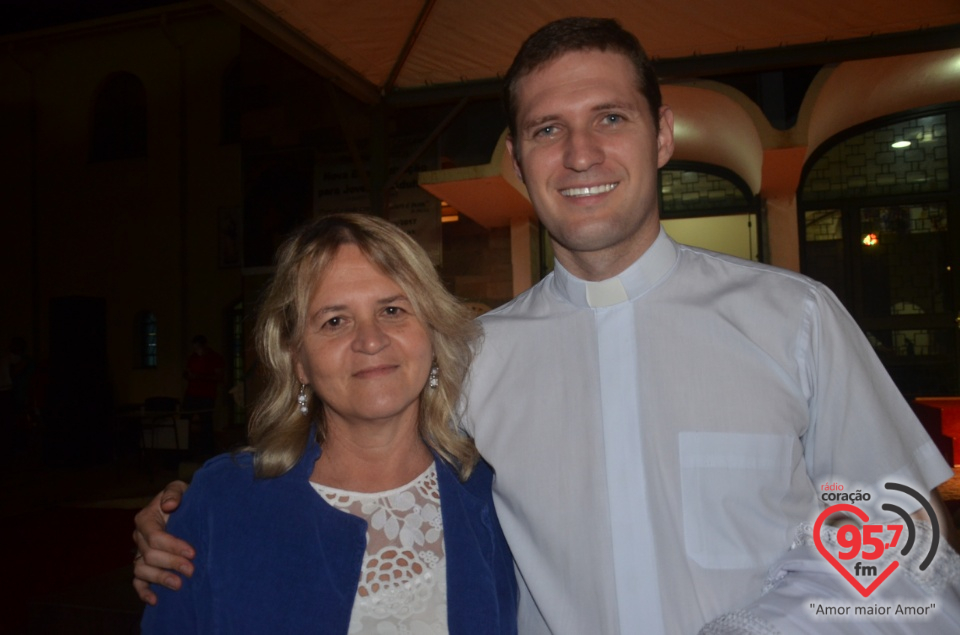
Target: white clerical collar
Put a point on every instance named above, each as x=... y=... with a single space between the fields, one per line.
x=639 y=277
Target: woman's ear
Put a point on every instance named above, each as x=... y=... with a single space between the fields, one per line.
x=298 y=368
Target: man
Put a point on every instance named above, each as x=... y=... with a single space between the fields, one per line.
x=660 y=418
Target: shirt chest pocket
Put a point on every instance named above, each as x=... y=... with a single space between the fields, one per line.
x=733 y=487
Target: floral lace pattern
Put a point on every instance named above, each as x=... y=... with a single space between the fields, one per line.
x=403 y=582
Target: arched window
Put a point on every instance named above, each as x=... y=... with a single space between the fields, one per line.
x=697 y=189
x=119 y=121
x=711 y=207
x=874 y=208
x=147 y=339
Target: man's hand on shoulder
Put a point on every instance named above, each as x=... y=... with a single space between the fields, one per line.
x=160 y=556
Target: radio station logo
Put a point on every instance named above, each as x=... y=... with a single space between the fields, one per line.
x=860 y=551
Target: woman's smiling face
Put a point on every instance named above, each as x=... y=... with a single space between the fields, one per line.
x=365 y=352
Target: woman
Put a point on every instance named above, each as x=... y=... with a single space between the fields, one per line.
x=358 y=506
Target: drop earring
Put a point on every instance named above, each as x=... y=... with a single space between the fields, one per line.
x=302 y=400
x=434 y=382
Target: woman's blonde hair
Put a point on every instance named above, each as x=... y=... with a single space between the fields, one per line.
x=278 y=432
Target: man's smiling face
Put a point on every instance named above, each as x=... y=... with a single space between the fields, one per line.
x=588 y=150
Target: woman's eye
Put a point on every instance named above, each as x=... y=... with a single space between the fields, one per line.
x=393 y=310
x=334 y=322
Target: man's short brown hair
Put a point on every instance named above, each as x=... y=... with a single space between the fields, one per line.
x=580 y=34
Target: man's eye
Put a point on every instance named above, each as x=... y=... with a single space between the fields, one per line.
x=546 y=131
x=613 y=118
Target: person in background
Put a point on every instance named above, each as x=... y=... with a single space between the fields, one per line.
x=359 y=506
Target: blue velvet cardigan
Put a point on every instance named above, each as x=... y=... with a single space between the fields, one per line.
x=274 y=557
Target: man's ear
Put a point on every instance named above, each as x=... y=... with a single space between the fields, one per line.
x=665 y=136
x=513 y=150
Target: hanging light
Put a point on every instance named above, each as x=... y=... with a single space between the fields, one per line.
x=870 y=240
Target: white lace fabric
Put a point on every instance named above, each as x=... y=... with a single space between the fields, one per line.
x=803 y=577
x=403 y=582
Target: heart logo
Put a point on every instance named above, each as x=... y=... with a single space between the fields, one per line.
x=862 y=515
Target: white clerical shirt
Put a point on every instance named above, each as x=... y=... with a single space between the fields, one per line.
x=657 y=437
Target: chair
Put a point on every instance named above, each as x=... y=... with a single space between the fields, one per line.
x=160 y=414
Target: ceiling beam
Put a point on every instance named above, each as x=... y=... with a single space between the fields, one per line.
x=408 y=45
x=425 y=144
x=706 y=66
x=278 y=32
x=814 y=54
x=444 y=93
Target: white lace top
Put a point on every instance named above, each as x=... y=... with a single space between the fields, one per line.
x=403 y=583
